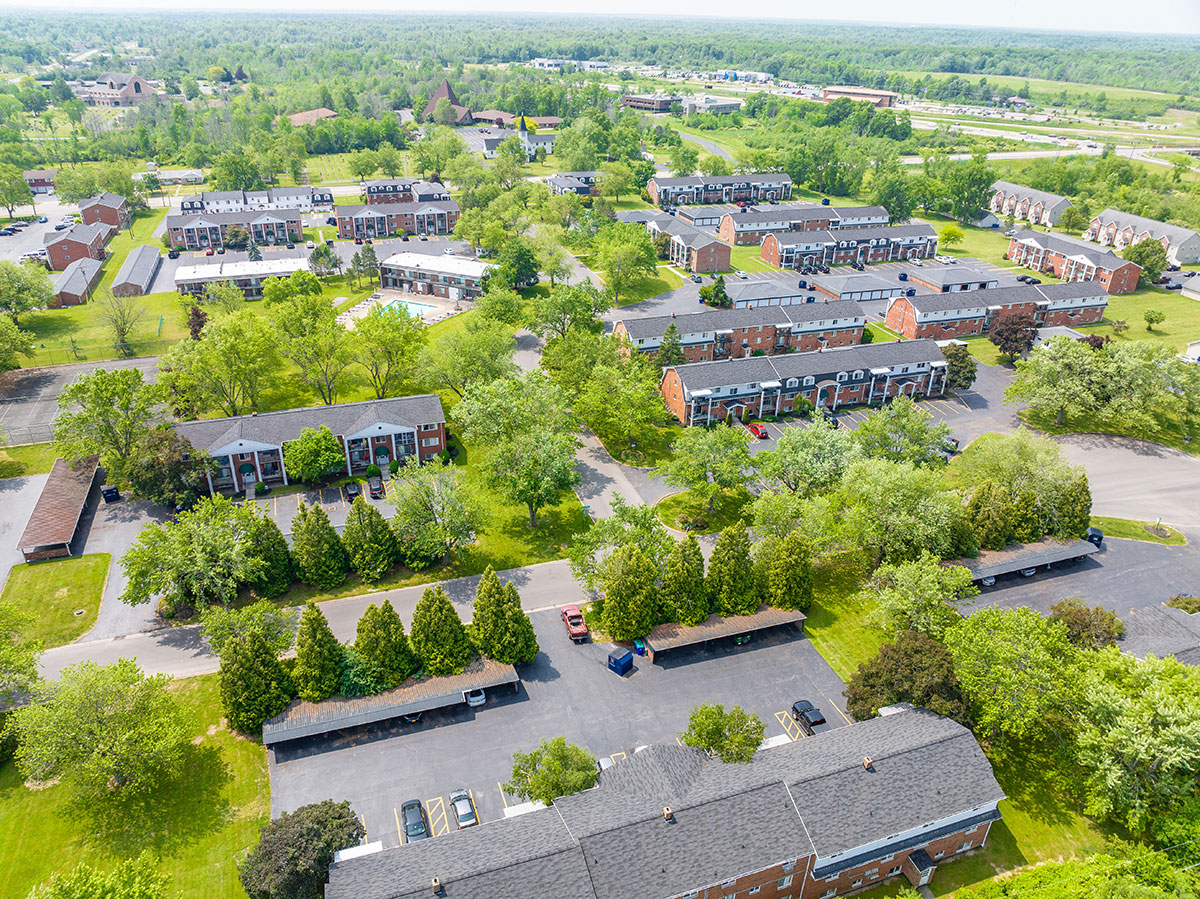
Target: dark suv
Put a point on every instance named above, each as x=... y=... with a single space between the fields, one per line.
x=807 y=715
x=375 y=486
x=416 y=825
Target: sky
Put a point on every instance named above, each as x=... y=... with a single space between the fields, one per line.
x=1168 y=16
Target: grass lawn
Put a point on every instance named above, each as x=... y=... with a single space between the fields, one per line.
x=1169 y=430
x=198 y=826
x=1132 y=529
x=837 y=622
x=1181 y=326
x=665 y=280
x=54 y=330
x=881 y=333
x=32 y=458
x=748 y=259
x=729 y=508
x=983 y=350
x=649 y=447
x=141 y=232
x=51 y=592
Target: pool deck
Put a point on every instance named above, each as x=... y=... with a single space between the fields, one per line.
x=432 y=308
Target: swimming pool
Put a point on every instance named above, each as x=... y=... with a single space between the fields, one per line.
x=413 y=309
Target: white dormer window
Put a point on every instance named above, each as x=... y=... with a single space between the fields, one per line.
x=841 y=376
x=809 y=381
x=792 y=382
x=858 y=374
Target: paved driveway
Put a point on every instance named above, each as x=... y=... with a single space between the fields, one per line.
x=18 y=496
x=567 y=690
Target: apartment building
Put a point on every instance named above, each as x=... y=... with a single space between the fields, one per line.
x=390 y=219
x=941 y=316
x=210 y=229
x=1072 y=259
x=404 y=190
x=78 y=242
x=248 y=276
x=299 y=199
x=1116 y=229
x=1039 y=207
x=750 y=226
x=581 y=183
x=691 y=248
x=796 y=249
x=40 y=181
x=452 y=277
x=106 y=210
x=248 y=449
x=719 y=189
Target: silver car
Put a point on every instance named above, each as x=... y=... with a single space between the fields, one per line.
x=464 y=809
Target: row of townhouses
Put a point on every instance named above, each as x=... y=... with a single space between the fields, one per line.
x=404 y=190
x=248 y=449
x=691 y=248
x=390 y=219
x=942 y=316
x=749 y=226
x=304 y=198
x=795 y=249
x=1072 y=259
x=200 y=231
x=737 y=333
x=247 y=275
x=1025 y=204
x=724 y=189
x=889 y=798
x=864 y=374
x=1116 y=229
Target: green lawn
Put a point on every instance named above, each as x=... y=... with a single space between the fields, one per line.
x=198 y=826
x=983 y=350
x=140 y=232
x=51 y=592
x=1181 y=326
x=729 y=508
x=837 y=622
x=881 y=333
x=749 y=259
x=54 y=330
x=665 y=280
x=32 y=458
x=1169 y=430
x=1132 y=529
x=652 y=446
x=332 y=169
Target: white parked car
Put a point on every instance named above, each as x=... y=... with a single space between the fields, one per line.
x=741 y=275
x=448 y=251
x=475 y=698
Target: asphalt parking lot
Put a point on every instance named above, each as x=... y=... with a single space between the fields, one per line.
x=27 y=240
x=567 y=690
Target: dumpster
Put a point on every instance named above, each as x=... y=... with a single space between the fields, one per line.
x=620 y=661
x=639 y=647
x=110 y=494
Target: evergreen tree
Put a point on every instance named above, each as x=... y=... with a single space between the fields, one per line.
x=487 y=625
x=1026 y=522
x=520 y=643
x=629 y=594
x=371 y=547
x=1074 y=509
x=355 y=675
x=318 y=657
x=732 y=585
x=789 y=574
x=279 y=569
x=438 y=635
x=684 y=594
x=254 y=685
x=670 y=351
x=317 y=549
x=382 y=644
x=989 y=513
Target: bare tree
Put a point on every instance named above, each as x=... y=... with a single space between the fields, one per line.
x=122 y=315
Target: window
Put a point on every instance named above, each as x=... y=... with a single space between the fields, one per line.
x=857 y=883
x=429 y=441
x=428 y=427
x=809 y=381
x=972 y=828
x=871 y=872
x=829 y=894
x=894 y=871
x=939 y=854
x=729 y=884
x=841 y=376
x=964 y=847
x=789 y=867
x=785 y=882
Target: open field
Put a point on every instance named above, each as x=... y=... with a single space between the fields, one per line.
x=1013 y=84
x=77 y=334
x=1181 y=326
x=50 y=593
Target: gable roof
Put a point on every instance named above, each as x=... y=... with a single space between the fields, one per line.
x=139 y=267
x=111 y=200
x=1162 y=631
x=1177 y=234
x=722 y=319
x=78 y=277
x=1030 y=193
x=952 y=274
x=1072 y=247
x=445 y=90
x=85 y=234
x=724 y=180
x=311 y=116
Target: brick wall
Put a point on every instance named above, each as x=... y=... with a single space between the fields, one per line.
x=770 y=250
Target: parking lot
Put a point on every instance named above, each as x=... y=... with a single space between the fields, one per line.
x=567 y=690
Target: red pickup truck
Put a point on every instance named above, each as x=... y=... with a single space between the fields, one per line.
x=577 y=630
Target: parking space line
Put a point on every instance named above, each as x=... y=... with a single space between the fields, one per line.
x=839 y=711
x=363 y=818
x=790 y=727
x=399 y=833
x=503 y=798
x=436 y=809
x=617 y=756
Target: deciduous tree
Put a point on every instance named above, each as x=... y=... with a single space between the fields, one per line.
x=732 y=736
x=555 y=768
x=136 y=878
x=592 y=551
x=459 y=360
x=1062 y=376
x=313 y=456
x=1093 y=628
x=434 y=515
x=708 y=460
x=920 y=595
x=503 y=410
x=1013 y=333
x=1150 y=255
x=226 y=369
x=902 y=431
x=387 y=341
x=961 y=367
x=809 y=460
x=912 y=668
x=108 y=413
x=276 y=626
x=625 y=255
x=534 y=469
x=565 y=307
x=295 y=850
x=18 y=655
x=166 y=469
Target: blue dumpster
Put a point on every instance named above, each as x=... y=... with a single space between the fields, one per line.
x=639 y=647
x=620 y=661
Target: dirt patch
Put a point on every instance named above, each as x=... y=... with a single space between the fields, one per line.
x=41 y=784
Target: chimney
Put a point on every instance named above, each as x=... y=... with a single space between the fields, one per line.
x=668 y=815
x=868 y=765
x=437 y=886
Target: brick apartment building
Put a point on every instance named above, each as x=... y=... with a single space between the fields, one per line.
x=452 y=277
x=1071 y=259
x=115 y=89
x=750 y=226
x=722 y=189
x=303 y=198
x=892 y=797
x=40 y=181
x=404 y=190
x=210 y=229
x=249 y=448
x=1025 y=204
x=739 y=333
x=691 y=248
x=952 y=279
x=1116 y=229
x=795 y=249
x=79 y=242
x=245 y=275
x=106 y=210
x=865 y=374
x=708 y=216
x=74 y=285
x=389 y=219
x=941 y=316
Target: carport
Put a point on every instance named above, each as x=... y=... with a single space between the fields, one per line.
x=670 y=636
x=1047 y=551
x=307 y=719
x=55 y=519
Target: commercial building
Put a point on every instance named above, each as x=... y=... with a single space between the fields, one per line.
x=953 y=278
x=796 y=249
x=739 y=333
x=865 y=374
x=249 y=448
x=210 y=229
x=719 y=189
x=749 y=226
x=171 y=176
x=106 y=209
x=892 y=797
x=137 y=272
x=1025 y=204
x=941 y=316
x=115 y=89
x=304 y=198
x=73 y=286
x=1071 y=259
x=404 y=190
x=582 y=183
x=389 y=219
x=78 y=242
x=650 y=102
x=452 y=277
x=870 y=95
x=1116 y=229
x=705 y=103
x=246 y=275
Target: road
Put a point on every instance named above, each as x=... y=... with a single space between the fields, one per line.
x=715 y=149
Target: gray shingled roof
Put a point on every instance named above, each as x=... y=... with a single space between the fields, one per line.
x=860 y=211
x=697 y=181
x=396 y=208
x=720 y=319
x=763 y=215
x=764 y=289
x=888 y=232
x=1176 y=233
x=1071 y=246
x=1023 y=192
x=245 y=216
x=710 y=210
x=706 y=375
x=77 y=278
x=139 y=268
x=840 y=284
x=952 y=274
x=83 y=233
x=277 y=428
x=1162 y=631
x=115 y=201
x=1073 y=290
x=947 y=302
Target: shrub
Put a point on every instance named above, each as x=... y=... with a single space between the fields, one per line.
x=393 y=467
x=373 y=470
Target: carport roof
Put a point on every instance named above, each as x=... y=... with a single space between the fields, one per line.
x=56 y=514
x=139 y=268
x=674 y=635
x=1162 y=631
x=992 y=563
x=951 y=274
x=306 y=719
x=838 y=285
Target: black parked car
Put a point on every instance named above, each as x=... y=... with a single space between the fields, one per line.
x=353 y=489
x=375 y=486
x=172 y=254
x=807 y=715
x=416 y=824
